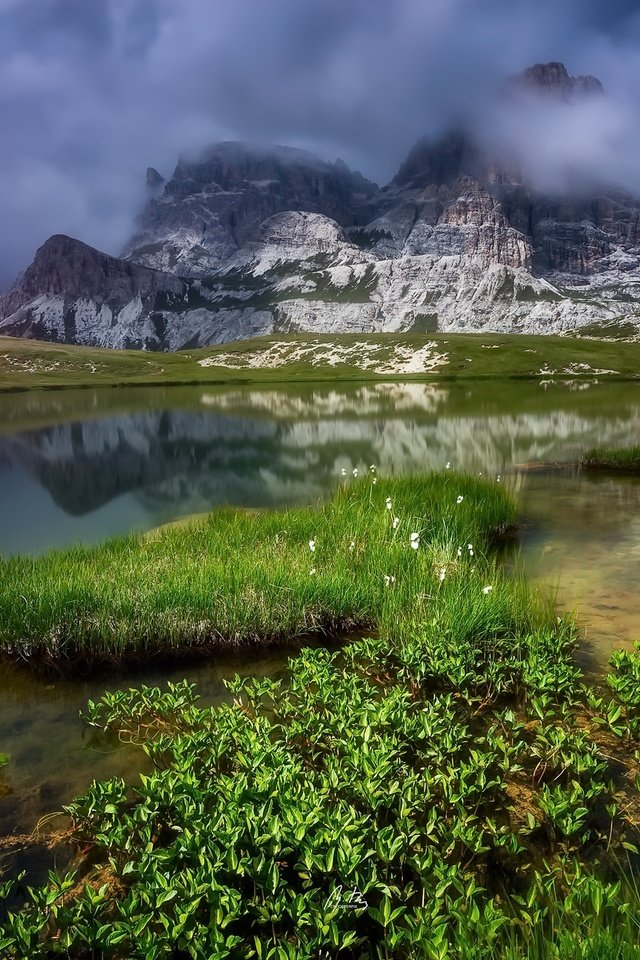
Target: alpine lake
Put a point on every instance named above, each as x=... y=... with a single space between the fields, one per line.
x=80 y=466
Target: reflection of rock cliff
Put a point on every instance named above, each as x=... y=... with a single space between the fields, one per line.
x=267 y=447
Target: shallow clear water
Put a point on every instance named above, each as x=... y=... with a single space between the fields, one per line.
x=85 y=465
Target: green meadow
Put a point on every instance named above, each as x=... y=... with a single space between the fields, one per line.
x=27 y=364
x=443 y=785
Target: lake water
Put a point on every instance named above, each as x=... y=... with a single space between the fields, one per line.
x=86 y=465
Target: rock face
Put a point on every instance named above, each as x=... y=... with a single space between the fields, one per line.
x=75 y=294
x=553 y=80
x=246 y=240
x=212 y=206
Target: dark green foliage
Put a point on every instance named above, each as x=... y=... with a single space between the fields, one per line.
x=437 y=791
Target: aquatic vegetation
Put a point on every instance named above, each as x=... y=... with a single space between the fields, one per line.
x=448 y=788
x=621 y=459
x=384 y=801
x=237 y=578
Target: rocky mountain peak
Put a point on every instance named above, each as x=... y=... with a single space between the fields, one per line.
x=155 y=181
x=553 y=80
x=246 y=239
x=440 y=161
x=215 y=202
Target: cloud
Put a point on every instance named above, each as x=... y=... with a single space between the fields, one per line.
x=93 y=93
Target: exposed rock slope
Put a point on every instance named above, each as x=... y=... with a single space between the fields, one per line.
x=246 y=240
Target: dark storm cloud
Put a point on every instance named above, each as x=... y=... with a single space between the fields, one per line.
x=93 y=91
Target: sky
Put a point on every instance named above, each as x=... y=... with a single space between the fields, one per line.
x=94 y=91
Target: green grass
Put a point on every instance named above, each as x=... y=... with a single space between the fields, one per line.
x=448 y=788
x=26 y=364
x=620 y=459
x=236 y=578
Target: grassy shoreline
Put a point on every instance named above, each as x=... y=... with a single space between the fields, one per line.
x=26 y=365
x=235 y=579
x=447 y=789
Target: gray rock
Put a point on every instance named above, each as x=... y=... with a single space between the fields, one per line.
x=246 y=240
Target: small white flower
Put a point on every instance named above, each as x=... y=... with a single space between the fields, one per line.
x=312 y=572
x=460 y=498
x=469 y=546
x=374 y=481
x=352 y=546
x=471 y=553
x=480 y=474
x=388 y=503
x=396 y=523
x=388 y=580
x=372 y=468
x=443 y=573
x=355 y=471
x=447 y=465
x=487 y=590
x=415 y=541
x=498 y=479
x=312 y=546
x=343 y=472
x=459 y=551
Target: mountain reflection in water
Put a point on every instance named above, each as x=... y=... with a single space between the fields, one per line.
x=85 y=472
x=84 y=465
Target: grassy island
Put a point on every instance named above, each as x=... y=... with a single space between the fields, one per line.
x=445 y=788
x=619 y=460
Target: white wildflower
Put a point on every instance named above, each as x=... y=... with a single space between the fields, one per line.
x=388 y=503
x=459 y=551
x=352 y=546
x=498 y=479
x=312 y=546
x=447 y=465
x=372 y=468
x=355 y=471
x=312 y=572
x=487 y=590
x=443 y=573
x=415 y=541
x=460 y=498
x=388 y=580
x=374 y=481
x=396 y=523
x=343 y=472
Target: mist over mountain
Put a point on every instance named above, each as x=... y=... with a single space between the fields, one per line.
x=470 y=234
x=91 y=94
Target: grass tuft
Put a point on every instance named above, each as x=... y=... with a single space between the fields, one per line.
x=619 y=459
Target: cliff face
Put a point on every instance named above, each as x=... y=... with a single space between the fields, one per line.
x=246 y=240
x=214 y=205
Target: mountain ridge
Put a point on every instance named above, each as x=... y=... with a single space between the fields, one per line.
x=244 y=240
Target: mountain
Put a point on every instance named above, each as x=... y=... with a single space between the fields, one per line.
x=245 y=240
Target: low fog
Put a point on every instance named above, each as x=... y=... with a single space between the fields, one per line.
x=91 y=93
